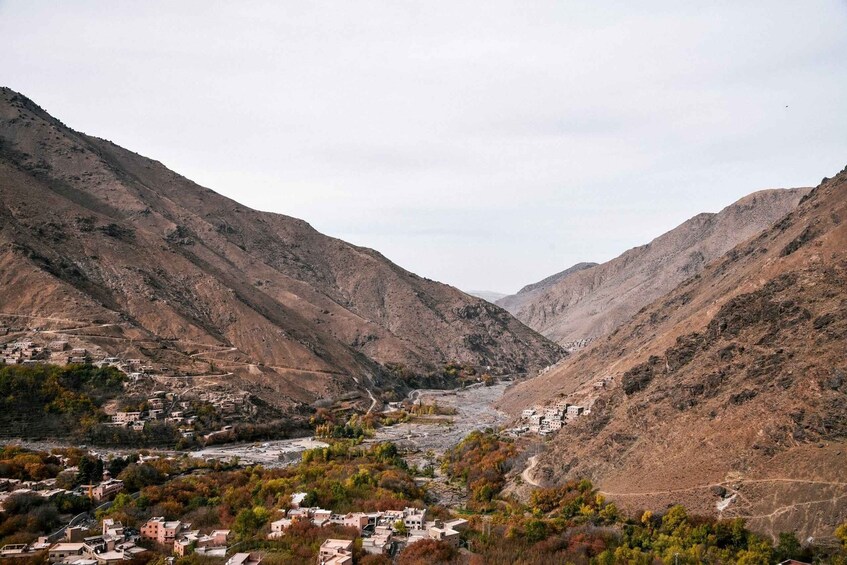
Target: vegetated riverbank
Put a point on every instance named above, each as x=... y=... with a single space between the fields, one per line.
x=473 y=411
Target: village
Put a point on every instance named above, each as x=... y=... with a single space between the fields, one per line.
x=548 y=419
x=175 y=405
x=385 y=532
x=382 y=532
x=60 y=352
x=70 y=544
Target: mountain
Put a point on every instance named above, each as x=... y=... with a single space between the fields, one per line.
x=120 y=255
x=729 y=393
x=546 y=283
x=487 y=295
x=585 y=301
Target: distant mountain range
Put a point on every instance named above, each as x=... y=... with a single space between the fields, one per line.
x=488 y=295
x=126 y=257
x=729 y=392
x=588 y=300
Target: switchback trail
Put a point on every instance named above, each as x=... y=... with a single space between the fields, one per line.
x=526 y=475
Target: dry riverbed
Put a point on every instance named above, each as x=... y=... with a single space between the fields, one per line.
x=474 y=411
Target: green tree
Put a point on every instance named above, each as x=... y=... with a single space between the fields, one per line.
x=90 y=470
x=788 y=547
x=249 y=520
x=535 y=530
x=841 y=534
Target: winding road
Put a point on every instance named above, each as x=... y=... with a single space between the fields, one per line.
x=526 y=475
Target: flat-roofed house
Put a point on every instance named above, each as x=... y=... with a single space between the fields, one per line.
x=60 y=551
x=336 y=552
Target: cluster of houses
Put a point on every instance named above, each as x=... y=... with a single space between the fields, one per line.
x=60 y=352
x=577 y=344
x=231 y=405
x=168 y=407
x=13 y=487
x=20 y=352
x=161 y=406
x=548 y=419
x=382 y=532
x=227 y=403
x=183 y=539
x=104 y=490
x=114 y=544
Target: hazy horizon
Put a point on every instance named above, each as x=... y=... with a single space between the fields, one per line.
x=487 y=149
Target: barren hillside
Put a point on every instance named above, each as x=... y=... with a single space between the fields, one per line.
x=584 y=303
x=728 y=394
x=120 y=254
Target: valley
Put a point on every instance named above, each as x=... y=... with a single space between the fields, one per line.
x=187 y=341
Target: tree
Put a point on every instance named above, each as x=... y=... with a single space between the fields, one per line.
x=788 y=547
x=135 y=476
x=841 y=534
x=90 y=470
x=535 y=530
x=249 y=520
x=428 y=552
x=757 y=554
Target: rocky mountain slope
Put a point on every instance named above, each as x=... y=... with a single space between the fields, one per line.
x=513 y=301
x=583 y=303
x=116 y=252
x=728 y=394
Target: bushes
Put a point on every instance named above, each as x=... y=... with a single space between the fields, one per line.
x=481 y=461
x=18 y=463
x=568 y=500
x=48 y=400
x=249 y=520
x=27 y=515
x=429 y=552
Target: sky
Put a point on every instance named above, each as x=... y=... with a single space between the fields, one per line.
x=482 y=144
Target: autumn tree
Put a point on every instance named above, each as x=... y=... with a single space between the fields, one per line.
x=429 y=552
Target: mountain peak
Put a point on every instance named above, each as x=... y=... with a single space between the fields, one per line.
x=196 y=283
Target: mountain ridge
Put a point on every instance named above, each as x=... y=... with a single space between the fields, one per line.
x=592 y=302
x=92 y=231
x=728 y=393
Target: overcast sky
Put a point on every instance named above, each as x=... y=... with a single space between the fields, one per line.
x=485 y=144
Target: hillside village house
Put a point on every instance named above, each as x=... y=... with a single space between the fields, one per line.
x=448 y=532
x=162 y=531
x=413 y=518
x=379 y=542
x=60 y=551
x=126 y=417
x=113 y=528
x=107 y=489
x=202 y=544
x=244 y=559
x=336 y=552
